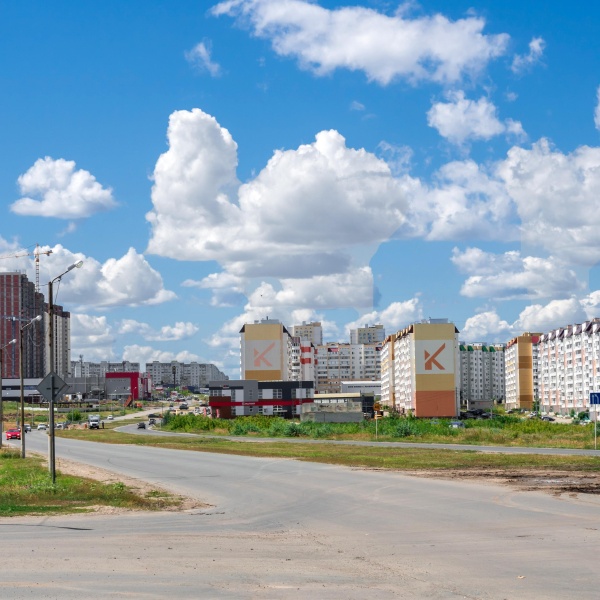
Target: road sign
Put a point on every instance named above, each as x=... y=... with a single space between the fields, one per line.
x=51 y=386
x=595 y=398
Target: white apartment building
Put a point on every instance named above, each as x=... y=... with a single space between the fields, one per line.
x=569 y=363
x=388 y=397
x=482 y=375
x=311 y=332
x=345 y=362
x=369 y=334
x=79 y=368
x=303 y=360
x=183 y=374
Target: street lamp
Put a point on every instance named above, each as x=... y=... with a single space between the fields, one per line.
x=21 y=369
x=51 y=437
x=12 y=342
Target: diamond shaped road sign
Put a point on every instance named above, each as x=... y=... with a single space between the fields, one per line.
x=51 y=386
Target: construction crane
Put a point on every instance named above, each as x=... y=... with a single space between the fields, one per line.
x=36 y=253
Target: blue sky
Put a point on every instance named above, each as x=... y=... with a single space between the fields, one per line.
x=351 y=162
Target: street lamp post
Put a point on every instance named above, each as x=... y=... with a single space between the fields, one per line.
x=51 y=437
x=12 y=342
x=21 y=369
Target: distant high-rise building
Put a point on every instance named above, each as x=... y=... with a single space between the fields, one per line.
x=521 y=367
x=19 y=304
x=191 y=374
x=312 y=332
x=482 y=375
x=369 y=334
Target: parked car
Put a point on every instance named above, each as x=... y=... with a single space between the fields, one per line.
x=151 y=421
x=456 y=424
x=109 y=418
x=42 y=427
x=547 y=418
x=27 y=427
x=13 y=434
x=141 y=425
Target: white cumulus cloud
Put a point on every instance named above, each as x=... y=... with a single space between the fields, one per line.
x=429 y=48
x=557 y=197
x=55 y=188
x=180 y=331
x=510 y=276
x=461 y=119
x=394 y=317
x=92 y=337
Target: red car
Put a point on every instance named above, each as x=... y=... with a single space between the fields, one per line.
x=13 y=434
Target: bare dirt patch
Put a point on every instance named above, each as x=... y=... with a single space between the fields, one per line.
x=141 y=488
x=553 y=482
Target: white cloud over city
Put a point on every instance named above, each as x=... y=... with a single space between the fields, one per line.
x=56 y=188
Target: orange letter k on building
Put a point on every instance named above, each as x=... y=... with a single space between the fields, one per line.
x=261 y=357
x=430 y=359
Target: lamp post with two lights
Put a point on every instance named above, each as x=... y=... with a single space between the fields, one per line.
x=51 y=437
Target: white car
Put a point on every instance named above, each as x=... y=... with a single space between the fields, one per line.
x=42 y=427
x=109 y=418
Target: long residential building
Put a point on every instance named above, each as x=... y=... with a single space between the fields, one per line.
x=569 y=359
x=175 y=373
x=482 y=381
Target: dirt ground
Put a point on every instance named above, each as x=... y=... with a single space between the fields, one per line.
x=552 y=482
x=142 y=488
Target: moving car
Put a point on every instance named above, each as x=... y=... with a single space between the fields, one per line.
x=42 y=427
x=456 y=424
x=548 y=418
x=109 y=418
x=141 y=425
x=27 y=427
x=13 y=434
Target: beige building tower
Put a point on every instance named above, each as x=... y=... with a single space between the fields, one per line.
x=267 y=351
x=426 y=369
x=521 y=366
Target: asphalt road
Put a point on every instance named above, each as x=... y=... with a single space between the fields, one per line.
x=288 y=529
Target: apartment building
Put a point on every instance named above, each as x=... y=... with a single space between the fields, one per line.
x=81 y=368
x=174 y=373
x=569 y=362
x=521 y=371
x=426 y=369
x=369 y=334
x=267 y=351
x=482 y=375
x=388 y=396
x=19 y=304
x=311 y=332
x=336 y=363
